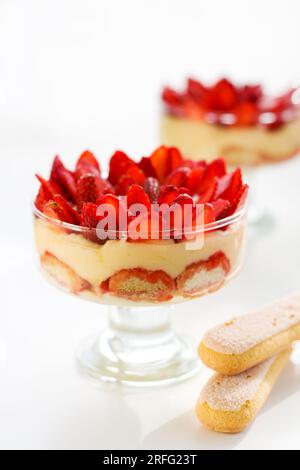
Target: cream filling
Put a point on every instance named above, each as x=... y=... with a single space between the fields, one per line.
x=95 y=263
x=248 y=145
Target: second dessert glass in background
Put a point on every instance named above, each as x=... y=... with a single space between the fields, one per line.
x=242 y=124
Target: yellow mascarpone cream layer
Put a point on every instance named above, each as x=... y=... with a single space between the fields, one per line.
x=249 y=146
x=96 y=263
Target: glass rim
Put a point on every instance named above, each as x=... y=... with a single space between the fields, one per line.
x=218 y=224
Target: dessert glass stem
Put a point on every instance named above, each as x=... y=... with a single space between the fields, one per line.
x=139 y=348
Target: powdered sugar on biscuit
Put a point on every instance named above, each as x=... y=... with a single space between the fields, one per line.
x=229 y=393
x=240 y=334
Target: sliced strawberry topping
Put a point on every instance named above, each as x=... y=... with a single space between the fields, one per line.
x=137 y=195
x=88 y=216
x=208 y=190
x=87 y=158
x=171 y=97
x=164 y=160
x=244 y=104
x=41 y=199
x=251 y=93
x=88 y=189
x=67 y=208
x=169 y=193
x=133 y=175
x=136 y=174
x=152 y=188
x=87 y=164
x=63 y=178
x=191 y=182
x=196 y=89
x=246 y=113
x=182 y=211
x=179 y=177
x=147 y=168
x=224 y=95
x=124 y=184
x=229 y=185
x=119 y=164
x=55 y=211
x=220 y=207
x=117 y=212
x=195 y=179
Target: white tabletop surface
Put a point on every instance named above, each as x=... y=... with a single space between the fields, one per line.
x=87 y=74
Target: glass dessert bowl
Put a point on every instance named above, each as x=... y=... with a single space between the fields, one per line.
x=242 y=123
x=128 y=242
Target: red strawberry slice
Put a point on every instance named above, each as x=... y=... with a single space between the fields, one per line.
x=220 y=207
x=133 y=175
x=41 y=199
x=117 y=214
x=88 y=189
x=57 y=166
x=195 y=89
x=179 y=177
x=229 y=185
x=168 y=194
x=67 y=208
x=64 y=178
x=195 y=179
x=208 y=191
x=137 y=195
x=118 y=165
x=224 y=95
x=49 y=188
x=246 y=114
x=203 y=213
x=88 y=216
x=160 y=162
x=152 y=188
x=171 y=97
x=238 y=201
x=251 y=93
x=164 y=160
x=55 y=211
x=181 y=213
x=87 y=158
x=90 y=219
x=216 y=168
x=147 y=168
x=87 y=164
x=124 y=184
x=136 y=174
x=208 y=184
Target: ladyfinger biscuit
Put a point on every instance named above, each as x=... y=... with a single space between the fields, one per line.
x=229 y=403
x=245 y=341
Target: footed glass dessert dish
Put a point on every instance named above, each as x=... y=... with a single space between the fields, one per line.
x=154 y=233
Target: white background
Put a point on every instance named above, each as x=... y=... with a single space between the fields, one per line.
x=87 y=74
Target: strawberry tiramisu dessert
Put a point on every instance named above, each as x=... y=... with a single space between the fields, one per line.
x=240 y=122
x=140 y=258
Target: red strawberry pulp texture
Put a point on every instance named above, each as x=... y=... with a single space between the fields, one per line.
x=165 y=177
x=224 y=103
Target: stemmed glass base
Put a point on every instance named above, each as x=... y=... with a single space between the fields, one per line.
x=139 y=349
